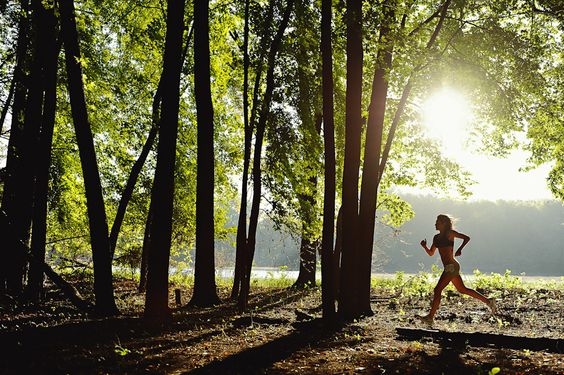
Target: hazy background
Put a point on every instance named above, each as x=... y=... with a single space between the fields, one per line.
x=524 y=237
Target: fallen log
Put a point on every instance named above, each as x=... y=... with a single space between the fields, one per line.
x=555 y=345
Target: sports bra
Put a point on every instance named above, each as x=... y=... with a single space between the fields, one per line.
x=442 y=241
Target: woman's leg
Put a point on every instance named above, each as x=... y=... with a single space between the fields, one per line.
x=441 y=284
x=459 y=284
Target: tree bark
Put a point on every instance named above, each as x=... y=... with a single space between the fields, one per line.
x=308 y=256
x=205 y=293
x=349 y=295
x=156 y=301
x=48 y=42
x=156 y=118
x=328 y=294
x=144 y=266
x=372 y=150
x=103 y=287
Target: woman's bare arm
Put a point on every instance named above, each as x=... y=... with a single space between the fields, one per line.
x=465 y=239
x=429 y=251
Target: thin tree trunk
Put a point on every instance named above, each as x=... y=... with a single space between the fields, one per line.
x=205 y=293
x=156 y=301
x=241 y=251
x=156 y=118
x=242 y=221
x=328 y=294
x=101 y=255
x=132 y=179
x=39 y=234
x=261 y=126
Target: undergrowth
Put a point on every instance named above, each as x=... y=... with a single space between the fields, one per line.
x=409 y=285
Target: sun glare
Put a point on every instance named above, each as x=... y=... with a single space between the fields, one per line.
x=446 y=115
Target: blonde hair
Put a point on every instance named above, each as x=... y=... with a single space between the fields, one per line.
x=447 y=220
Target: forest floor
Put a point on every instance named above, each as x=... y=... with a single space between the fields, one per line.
x=278 y=336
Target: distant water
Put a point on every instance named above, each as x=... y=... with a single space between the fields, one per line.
x=275 y=273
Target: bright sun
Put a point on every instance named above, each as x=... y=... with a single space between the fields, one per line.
x=446 y=115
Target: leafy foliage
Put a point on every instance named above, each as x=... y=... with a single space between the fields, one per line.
x=505 y=55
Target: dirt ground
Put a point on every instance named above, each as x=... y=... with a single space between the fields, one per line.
x=278 y=336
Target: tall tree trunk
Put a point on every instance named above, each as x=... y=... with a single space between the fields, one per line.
x=372 y=150
x=48 y=41
x=349 y=295
x=242 y=221
x=156 y=301
x=205 y=293
x=241 y=251
x=156 y=118
x=12 y=267
x=29 y=159
x=261 y=126
x=328 y=292
x=101 y=254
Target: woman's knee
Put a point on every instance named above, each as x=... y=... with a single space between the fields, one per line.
x=462 y=289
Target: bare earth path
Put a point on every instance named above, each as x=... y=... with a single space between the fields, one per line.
x=276 y=338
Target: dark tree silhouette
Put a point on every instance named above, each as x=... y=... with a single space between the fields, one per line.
x=328 y=270
x=12 y=270
x=373 y=147
x=241 y=252
x=349 y=295
x=205 y=293
x=101 y=255
x=50 y=48
x=156 y=301
x=135 y=171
